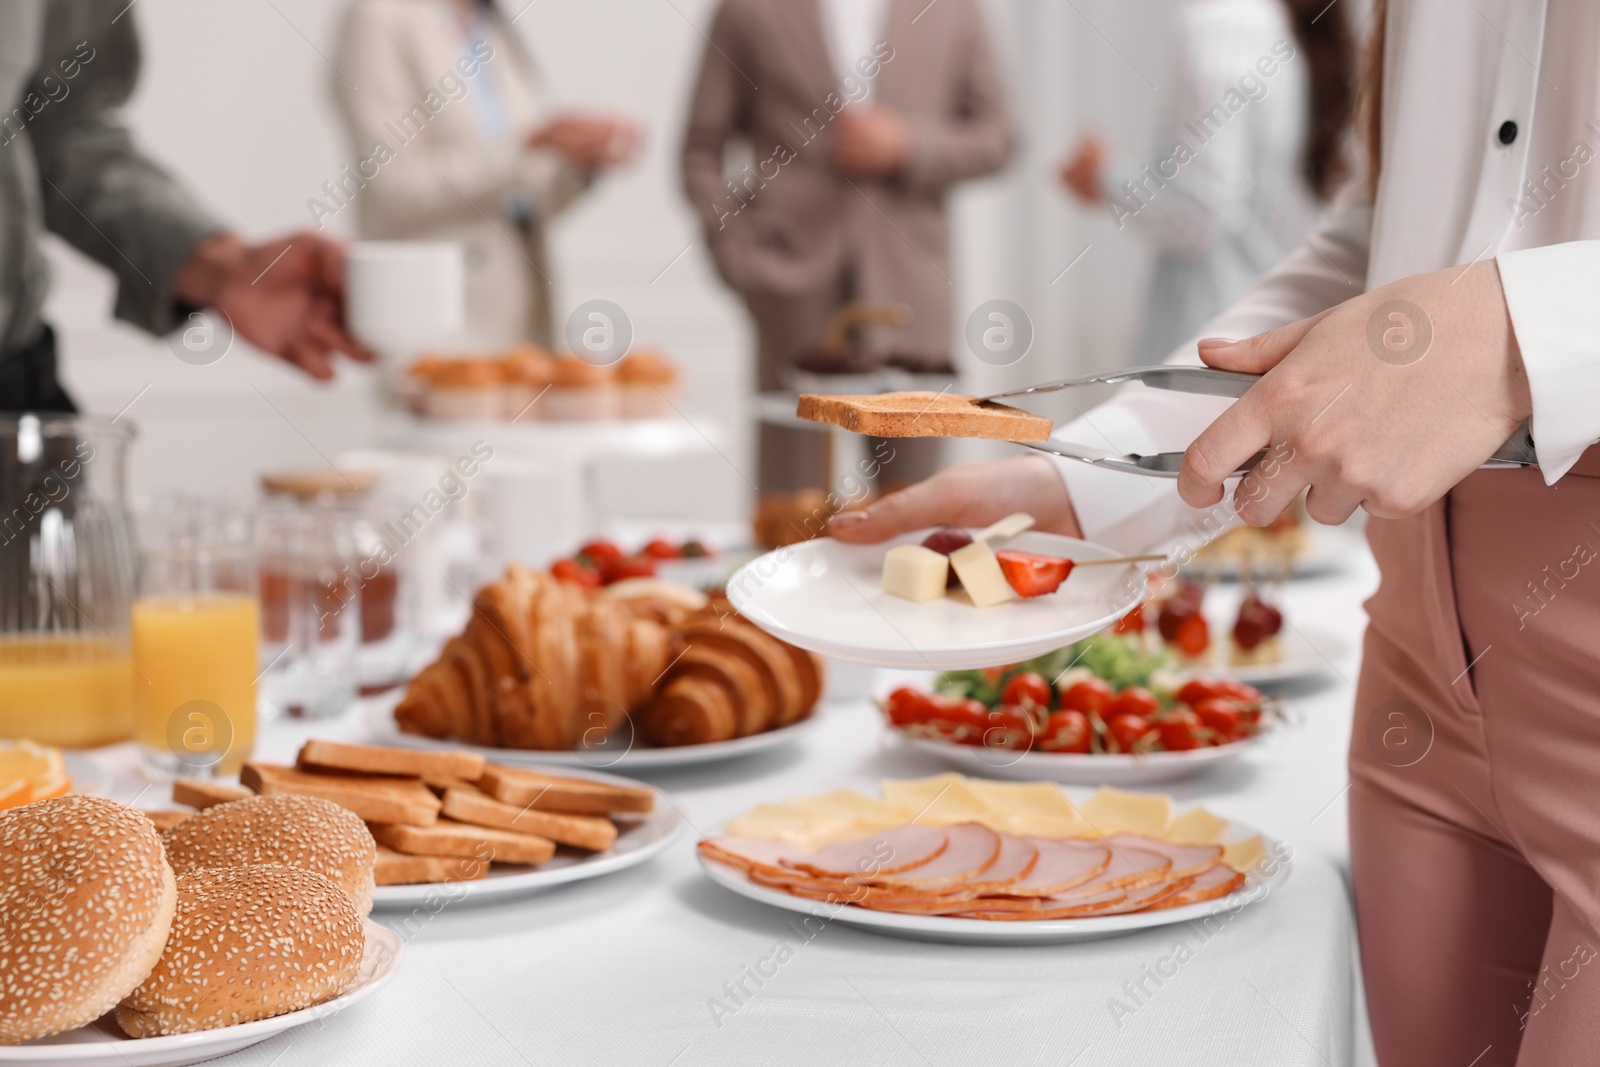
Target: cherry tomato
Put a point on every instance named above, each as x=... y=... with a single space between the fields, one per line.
x=1010 y=727
x=1131 y=623
x=1194 y=635
x=1091 y=694
x=1248 y=694
x=1027 y=688
x=628 y=567
x=907 y=705
x=1180 y=730
x=659 y=549
x=1065 y=731
x=1223 y=716
x=570 y=570
x=601 y=552
x=1197 y=689
x=1126 y=730
x=1134 y=700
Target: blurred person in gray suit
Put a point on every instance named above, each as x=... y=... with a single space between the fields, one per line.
x=855 y=117
x=69 y=166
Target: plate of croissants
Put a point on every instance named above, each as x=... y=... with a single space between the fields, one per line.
x=636 y=675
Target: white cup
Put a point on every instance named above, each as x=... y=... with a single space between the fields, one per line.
x=402 y=297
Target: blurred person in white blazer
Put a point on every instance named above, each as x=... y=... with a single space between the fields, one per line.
x=1252 y=146
x=453 y=138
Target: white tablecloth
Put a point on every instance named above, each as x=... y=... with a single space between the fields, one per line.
x=629 y=969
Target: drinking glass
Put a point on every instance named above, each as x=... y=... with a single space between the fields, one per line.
x=196 y=639
x=311 y=598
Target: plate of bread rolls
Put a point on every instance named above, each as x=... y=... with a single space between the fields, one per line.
x=452 y=824
x=635 y=675
x=139 y=947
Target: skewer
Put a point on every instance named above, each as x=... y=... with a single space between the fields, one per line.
x=1118 y=559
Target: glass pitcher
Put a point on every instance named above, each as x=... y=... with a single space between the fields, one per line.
x=66 y=580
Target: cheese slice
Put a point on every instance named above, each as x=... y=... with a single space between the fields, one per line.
x=1197 y=826
x=915 y=573
x=1244 y=855
x=980 y=575
x=1025 y=798
x=807 y=829
x=878 y=814
x=1007 y=527
x=1112 y=811
x=940 y=800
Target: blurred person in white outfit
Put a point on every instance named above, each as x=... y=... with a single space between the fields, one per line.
x=1252 y=146
x=453 y=139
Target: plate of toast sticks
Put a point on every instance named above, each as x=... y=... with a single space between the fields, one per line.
x=452 y=825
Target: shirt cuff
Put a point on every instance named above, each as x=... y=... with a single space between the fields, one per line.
x=1550 y=294
x=1129 y=512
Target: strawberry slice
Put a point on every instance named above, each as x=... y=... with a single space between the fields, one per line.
x=1033 y=575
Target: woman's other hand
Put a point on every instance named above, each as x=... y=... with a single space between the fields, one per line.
x=1083 y=172
x=1384 y=402
x=589 y=141
x=967 y=494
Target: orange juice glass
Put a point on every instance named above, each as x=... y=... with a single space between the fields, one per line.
x=66 y=689
x=195 y=658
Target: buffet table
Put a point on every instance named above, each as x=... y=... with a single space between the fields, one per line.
x=646 y=966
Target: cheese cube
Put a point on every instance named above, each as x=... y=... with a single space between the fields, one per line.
x=1008 y=527
x=915 y=573
x=980 y=575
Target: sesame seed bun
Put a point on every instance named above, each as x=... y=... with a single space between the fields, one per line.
x=247 y=943
x=86 y=900
x=297 y=831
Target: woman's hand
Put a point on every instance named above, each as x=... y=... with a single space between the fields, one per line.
x=1384 y=402
x=1083 y=173
x=967 y=494
x=589 y=141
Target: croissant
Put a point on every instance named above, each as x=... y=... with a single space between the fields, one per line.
x=542 y=664
x=731 y=680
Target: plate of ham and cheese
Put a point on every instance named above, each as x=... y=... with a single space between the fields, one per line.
x=998 y=595
x=966 y=860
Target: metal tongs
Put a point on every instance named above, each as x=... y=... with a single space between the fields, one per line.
x=1203 y=381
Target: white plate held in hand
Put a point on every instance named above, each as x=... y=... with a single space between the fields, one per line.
x=826 y=596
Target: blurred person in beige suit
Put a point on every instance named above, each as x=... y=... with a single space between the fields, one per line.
x=859 y=116
x=453 y=139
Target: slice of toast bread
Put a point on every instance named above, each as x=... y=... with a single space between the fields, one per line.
x=923 y=415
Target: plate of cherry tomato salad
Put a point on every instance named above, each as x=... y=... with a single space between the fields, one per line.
x=1016 y=722
x=602 y=562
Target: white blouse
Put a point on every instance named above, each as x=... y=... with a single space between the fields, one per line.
x=1491 y=147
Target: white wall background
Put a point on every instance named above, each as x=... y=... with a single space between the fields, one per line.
x=234 y=99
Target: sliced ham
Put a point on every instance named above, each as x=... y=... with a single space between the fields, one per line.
x=1060 y=866
x=1054 y=908
x=932 y=905
x=1016 y=860
x=970 y=850
x=889 y=852
x=1131 y=866
x=1186 y=859
x=1147 y=896
x=748 y=853
x=1216 y=881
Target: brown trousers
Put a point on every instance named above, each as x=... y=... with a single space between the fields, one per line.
x=790 y=458
x=1475 y=777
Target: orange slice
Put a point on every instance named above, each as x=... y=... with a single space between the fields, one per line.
x=30 y=771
